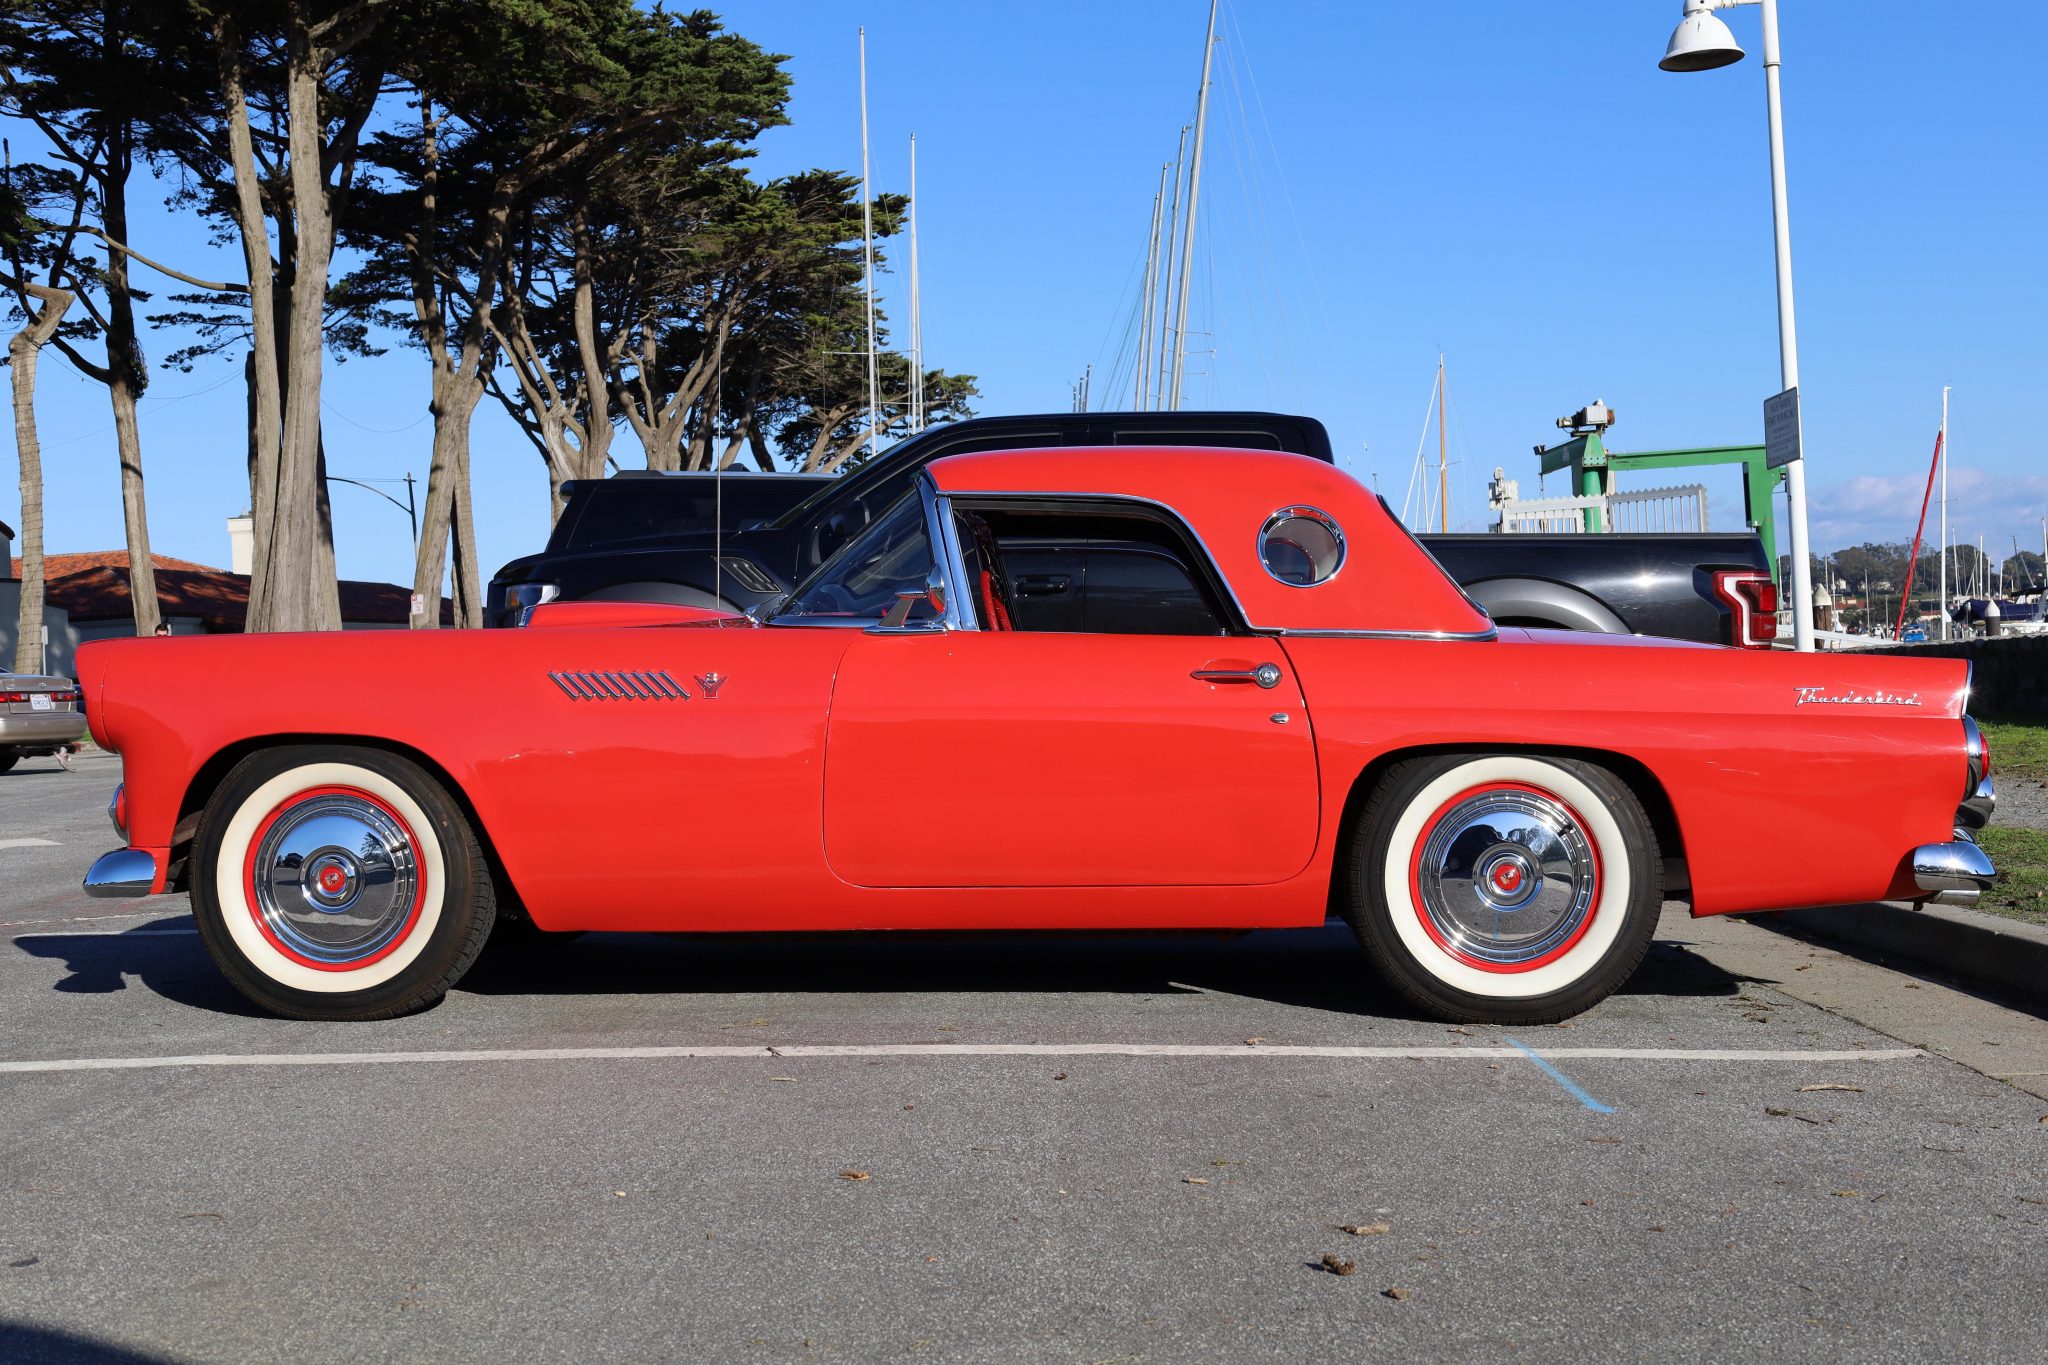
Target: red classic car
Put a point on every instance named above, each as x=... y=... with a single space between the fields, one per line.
x=1072 y=689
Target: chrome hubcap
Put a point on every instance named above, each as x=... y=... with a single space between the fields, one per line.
x=335 y=878
x=1506 y=878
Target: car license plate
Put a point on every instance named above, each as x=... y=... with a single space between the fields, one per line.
x=40 y=701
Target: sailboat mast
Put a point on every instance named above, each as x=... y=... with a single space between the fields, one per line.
x=1151 y=282
x=1187 y=246
x=1162 y=365
x=1944 y=511
x=1443 y=471
x=916 y=312
x=867 y=240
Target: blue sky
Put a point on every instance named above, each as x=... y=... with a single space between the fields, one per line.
x=1517 y=185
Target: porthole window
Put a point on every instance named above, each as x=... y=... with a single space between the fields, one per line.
x=1301 y=546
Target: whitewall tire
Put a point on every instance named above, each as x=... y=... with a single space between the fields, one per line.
x=1503 y=887
x=338 y=883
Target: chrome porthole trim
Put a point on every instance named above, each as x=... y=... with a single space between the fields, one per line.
x=1506 y=878
x=335 y=878
x=1302 y=512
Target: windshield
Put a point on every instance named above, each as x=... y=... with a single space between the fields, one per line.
x=853 y=483
x=862 y=581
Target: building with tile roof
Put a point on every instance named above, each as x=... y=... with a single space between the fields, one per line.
x=86 y=598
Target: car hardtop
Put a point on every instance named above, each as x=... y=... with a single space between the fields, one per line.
x=1236 y=504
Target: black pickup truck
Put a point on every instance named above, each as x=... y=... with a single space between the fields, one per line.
x=652 y=537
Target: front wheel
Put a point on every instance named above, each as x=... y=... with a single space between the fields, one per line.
x=1504 y=888
x=339 y=883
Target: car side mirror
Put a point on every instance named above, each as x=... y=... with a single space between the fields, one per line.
x=934 y=592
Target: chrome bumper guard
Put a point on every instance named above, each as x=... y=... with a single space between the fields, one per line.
x=1953 y=874
x=121 y=875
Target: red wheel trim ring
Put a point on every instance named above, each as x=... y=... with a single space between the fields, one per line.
x=1429 y=926
x=419 y=898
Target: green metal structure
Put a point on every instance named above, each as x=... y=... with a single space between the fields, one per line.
x=1593 y=467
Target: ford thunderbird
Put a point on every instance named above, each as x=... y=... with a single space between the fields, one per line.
x=1075 y=689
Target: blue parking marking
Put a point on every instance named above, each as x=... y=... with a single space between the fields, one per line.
x=1570 y=1085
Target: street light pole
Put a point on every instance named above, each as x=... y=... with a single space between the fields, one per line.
x=1702 y=43
x=409 y=506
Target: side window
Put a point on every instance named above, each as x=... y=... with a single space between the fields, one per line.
x=860 y=583
x=1103 y=569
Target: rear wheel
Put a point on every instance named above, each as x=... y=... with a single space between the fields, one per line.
x=339 y=883
x=1504 y=888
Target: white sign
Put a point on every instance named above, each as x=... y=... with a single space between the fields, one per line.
x=1781 y=429
x=419 y=605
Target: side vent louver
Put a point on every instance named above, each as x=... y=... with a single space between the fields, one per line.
x=619 y=686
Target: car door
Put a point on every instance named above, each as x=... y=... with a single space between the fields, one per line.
x=1016 y=757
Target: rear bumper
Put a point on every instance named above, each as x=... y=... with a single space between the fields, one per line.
x=124 y=873
x=40 y=729
x=1954 y=873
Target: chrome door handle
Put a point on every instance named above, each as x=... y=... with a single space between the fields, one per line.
x=1265 y=675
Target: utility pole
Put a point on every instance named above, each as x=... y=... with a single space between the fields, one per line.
x=867 y=234
x=1187 y=247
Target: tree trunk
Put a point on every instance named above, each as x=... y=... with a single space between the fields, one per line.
x=127 y=375
x=302 y=593
x=469 y=602
x=264 y=399
x=22 y=354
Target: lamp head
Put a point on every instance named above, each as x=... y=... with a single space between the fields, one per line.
x=1701 y=42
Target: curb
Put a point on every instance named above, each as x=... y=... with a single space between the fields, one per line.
x=1964 y=943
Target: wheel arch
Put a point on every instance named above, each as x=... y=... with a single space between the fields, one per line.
x=1539 y=601
x=207 y=780
x=1636 y=775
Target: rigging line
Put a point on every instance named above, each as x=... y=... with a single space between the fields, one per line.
x=1274 y=285
x=1415 y=469
x=1126 y=351
x=1244 y=277
x=1286 y=190
x=326 y=406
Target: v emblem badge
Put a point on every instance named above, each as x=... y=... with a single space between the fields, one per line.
x=710 y=682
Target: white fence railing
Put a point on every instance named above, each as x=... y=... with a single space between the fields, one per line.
x=1679 y=508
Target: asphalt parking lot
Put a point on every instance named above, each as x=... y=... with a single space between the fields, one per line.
x=806 y=1148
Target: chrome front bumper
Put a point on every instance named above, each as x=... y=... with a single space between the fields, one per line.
x=124 y=873
x=1953 y=874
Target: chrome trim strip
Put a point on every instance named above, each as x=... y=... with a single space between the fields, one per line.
x=1973 y=746
x=114 y=810
x=1490 y=633
x=1952 y=874
x=121 y=875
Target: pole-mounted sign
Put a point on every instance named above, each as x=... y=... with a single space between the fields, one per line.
x=1781 y=428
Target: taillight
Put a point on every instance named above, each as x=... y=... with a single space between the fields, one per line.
x=1753 y=601
x=13 y=696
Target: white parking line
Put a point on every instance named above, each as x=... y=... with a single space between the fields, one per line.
x=790 y=1050
x=29 y=843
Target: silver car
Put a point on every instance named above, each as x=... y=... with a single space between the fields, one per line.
x=38 y=716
